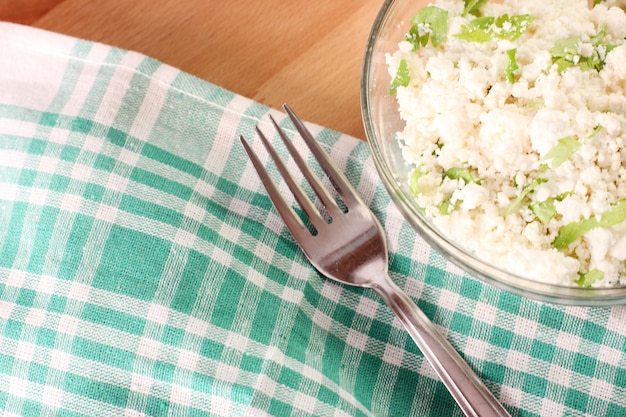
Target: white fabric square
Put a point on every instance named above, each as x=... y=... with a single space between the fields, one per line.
x=47 y=164
x=52 y=397
x=68 y=325
x=15 y=278
x=476 y=348
x=128 y=412
x=5 y=309
x=305 y=402
x=229 y=232
x=7 y=191
x=194 y=212
x=525 y=327
x=601 y=389
x=448 y=300
x=60 y=360
x=188 y=360
x=322 y=320
x=140 y=383
x=331 y=291
x=568 y=341
x=25 y=351
x=79 y=291
x=291 y=295
x=239 y=206
x=357 y=339
x=517 y=360
x=197 y=327
x=367 y=307
x=18 y=387
x=35 y=317
x=38 y=196
x=617 y=318
x=106 y=213
x=157 y=313
x=58 y=135
x=46 y=284
x=227 y=373
x=393 y=355
x=551 y=408
x=148 y=348
x=560 y=375
x=485 y=313
x=610 y=355
x=128 y=157
x=180 y=395
x=219 y=406
x=81 y=172
x=237 y=341
x=71 y=203
x=184 y=238
x=93 y=144
x=266 y=385
x=12 y=159
x=117 y=183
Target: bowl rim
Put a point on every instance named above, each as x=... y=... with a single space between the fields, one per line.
x=522 y=286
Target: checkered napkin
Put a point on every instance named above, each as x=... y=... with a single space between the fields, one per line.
x=144 y=271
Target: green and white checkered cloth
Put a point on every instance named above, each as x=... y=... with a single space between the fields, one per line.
x=144 y=271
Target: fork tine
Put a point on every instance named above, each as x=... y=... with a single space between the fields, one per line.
x=327 y=200
x=311 y=211
x=286 y=212
x=345 y=190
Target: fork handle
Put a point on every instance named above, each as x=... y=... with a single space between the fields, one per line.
x=465 y=386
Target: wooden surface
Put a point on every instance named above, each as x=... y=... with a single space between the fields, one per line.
x=306 y=53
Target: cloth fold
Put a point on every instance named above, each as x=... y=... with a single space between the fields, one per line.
x=144 y=271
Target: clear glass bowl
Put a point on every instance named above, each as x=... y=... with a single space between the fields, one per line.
x=382 y=122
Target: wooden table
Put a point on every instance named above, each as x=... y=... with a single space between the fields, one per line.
x=307 y=53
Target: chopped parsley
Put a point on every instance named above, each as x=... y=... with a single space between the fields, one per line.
x=414 y=180
x=402 y=78
x=566 y=53
x=460 y=174
x=544 y=210
x=511 y=65
x=572 y=231
x=490 y=28
x=473 y=7
x=562 y=151
x=517 y=203
x=430 y=23
x=588 y=279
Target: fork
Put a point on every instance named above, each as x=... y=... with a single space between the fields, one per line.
x=348 y=245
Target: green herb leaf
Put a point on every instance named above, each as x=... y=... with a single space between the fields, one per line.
x=517 y=203
x=562 y=151
x=544 y=210
x=572 y=231
x=430 y=23
x=460 y=174
x=511 y=65
x=402 y=78
x=413 y=180
x=447 y=207
x=473 y=7
x=588 y=279
x=565 y=53
x=488 y=28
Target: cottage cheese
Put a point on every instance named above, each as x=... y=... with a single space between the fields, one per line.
x=483 y=135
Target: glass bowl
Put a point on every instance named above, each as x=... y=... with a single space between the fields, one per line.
x=382 y=122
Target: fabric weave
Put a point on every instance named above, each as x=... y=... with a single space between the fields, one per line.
x=144 y=271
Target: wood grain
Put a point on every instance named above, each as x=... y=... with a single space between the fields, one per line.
x=308 y=54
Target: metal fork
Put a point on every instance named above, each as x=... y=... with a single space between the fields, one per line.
x=349 y=246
